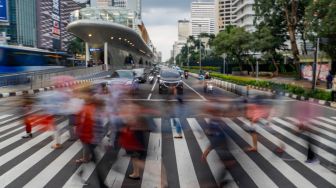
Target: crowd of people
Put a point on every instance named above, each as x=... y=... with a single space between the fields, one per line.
x=100 y=115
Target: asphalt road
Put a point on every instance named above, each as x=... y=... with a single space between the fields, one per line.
x=178 y=162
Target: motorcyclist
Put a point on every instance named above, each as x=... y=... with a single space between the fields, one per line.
x=186 y=74
x=207 y=79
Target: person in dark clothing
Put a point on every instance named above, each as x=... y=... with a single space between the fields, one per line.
x=329 y=79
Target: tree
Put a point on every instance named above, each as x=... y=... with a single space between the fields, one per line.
x=235 y=42
x=321 y=22
x=76 y=46
x=292 y=13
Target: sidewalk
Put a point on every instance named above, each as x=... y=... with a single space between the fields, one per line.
x=288 y=80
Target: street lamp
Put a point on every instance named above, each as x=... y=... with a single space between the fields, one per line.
x=200 y=51
x=224 y=57
x=188 y=45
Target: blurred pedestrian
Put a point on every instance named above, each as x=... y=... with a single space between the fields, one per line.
x=27 y=106
x=329 y=79
x=91 y=131
x=256 y=110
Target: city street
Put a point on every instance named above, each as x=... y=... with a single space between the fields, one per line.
x=172 y=162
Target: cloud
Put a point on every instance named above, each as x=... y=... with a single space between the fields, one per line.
x=161 y=24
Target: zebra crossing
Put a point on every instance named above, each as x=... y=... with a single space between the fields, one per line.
x=177 y=162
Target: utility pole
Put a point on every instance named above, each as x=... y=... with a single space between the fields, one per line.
x=315 y=63
x=200 y=50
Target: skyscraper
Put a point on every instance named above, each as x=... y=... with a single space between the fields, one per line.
x=224 y=15
x=183 y=30
x=202 y=18
x=244 y=14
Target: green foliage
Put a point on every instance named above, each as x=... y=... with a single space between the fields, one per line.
x=207 y=68
x=288 y=88
x=321 y=21
x=76 y=46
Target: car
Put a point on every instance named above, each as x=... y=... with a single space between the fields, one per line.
x=169 y=78
x=140 y=75
x=124 y=78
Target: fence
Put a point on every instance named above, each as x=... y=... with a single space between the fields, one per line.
x=41 y=79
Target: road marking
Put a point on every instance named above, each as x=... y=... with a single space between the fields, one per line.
x=165 y=100
x=53 y=168
x=215 y=163
x=27 y=145
x=322 y=124
x=323 y=153
x=10 y=132
x=149 y=96
x=185 y=167
x=296 y=178
x=25 y=165
x=153 y=165
x=86 y=168
x=195 y=91
x=319 y=138
x=322 y=171
x=115 y=178
x=154 y=85
x=328 y=120
x=4 y=116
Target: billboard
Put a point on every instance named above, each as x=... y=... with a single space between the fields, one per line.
x=3 y=11
x=322 y=71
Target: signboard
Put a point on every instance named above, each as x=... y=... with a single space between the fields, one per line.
x=321 y=71
x=56 y=24
x=3 y=11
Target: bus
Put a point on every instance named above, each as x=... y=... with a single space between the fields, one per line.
x=20 y=59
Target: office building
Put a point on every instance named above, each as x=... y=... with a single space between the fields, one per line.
x=21 y=25
x=224 y=14
x=52 y=19
x=202 y=18
x=183 y=30
x=119 y=3
x=244 y=14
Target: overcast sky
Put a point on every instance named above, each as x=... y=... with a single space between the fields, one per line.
x=160 y=18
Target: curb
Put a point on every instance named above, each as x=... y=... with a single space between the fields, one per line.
x=49 y=88
x=231 y=87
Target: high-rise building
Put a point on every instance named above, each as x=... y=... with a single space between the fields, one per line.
x=224 y=14
x=244 y=14
x=21 y=26
x=136 y=6
x=52 y=19
x=183 y=30
x=202 y=18
x=119 y=3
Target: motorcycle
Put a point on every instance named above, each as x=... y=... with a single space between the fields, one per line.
x=186 y=75
x=151 y=79
x=208 y=87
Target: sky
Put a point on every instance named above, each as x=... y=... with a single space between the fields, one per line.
x=160 y=18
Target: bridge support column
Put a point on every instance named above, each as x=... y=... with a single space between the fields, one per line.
x=105 y=55
x=87 y=54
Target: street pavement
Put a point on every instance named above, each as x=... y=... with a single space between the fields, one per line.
x=177 y=162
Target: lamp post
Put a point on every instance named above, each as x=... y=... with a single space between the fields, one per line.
x=188 y=45
x=224 y=57
x=200 y=51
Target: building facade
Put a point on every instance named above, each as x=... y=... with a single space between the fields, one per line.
x=52 y=22
x=244 y=14
x=224 y=14
x=183 y=30
x=202 y=18
x=21 y=26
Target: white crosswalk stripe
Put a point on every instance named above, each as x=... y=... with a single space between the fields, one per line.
x=154 y=169
x=277 y=162
x=185 y=167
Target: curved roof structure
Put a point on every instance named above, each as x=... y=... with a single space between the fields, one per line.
x=112 y=25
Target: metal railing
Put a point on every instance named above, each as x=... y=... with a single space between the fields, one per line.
x=39 y=79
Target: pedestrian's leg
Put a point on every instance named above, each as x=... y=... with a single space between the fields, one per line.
x=71 y=126
x=178 y=128
x=28 y=130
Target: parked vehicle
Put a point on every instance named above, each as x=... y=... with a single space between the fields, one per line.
x=168 y=79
